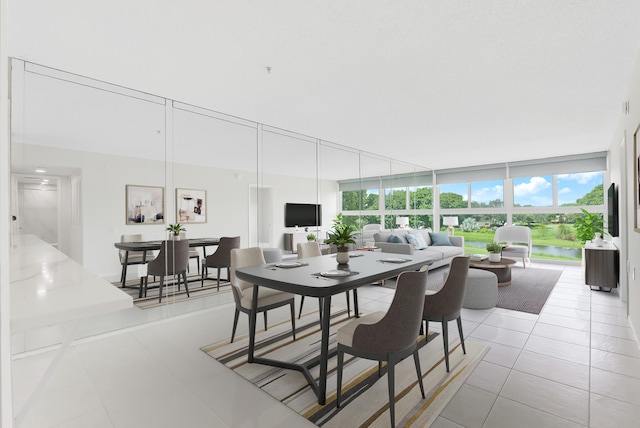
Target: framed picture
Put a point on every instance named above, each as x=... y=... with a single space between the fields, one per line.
x=145 y=205
x=191 y=206
x=636 y=181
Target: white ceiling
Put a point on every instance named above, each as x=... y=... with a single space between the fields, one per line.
x=435 y=83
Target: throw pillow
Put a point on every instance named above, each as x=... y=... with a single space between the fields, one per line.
x=440 y=239
x=396 y=239
x=417 y=240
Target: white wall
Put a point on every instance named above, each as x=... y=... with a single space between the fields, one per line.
x=622 y=166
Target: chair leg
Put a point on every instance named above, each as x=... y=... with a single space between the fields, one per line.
x=235 y=324
x=339 y=379
x=348 y=305
x=204 y=269
x=416 y=358
x=293 y=319
x=301 y=303
x=464 y=351
x=265 y=320
x=218 y=289
x=123 y=275
x=392 y=394
x=186 y=286
x=160 y=289
x=445 y=341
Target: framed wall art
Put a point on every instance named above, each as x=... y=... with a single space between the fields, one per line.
x=145 y=204
x=191 y=205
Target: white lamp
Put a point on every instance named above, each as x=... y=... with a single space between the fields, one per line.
x=450 y=221
x=402 y=222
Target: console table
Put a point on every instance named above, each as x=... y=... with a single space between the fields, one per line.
x=601 y=266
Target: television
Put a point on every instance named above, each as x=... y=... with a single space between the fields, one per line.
x=612 y=214
x=302 y=215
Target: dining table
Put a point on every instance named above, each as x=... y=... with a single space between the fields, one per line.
x=145 y=246
x=322 y=277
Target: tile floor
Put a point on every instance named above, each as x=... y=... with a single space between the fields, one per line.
x=574 y=365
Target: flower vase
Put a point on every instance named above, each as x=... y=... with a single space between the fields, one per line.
x=495 y=257
x=597 y=240
x=343 y=256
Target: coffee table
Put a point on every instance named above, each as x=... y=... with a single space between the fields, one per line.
x=502 y=269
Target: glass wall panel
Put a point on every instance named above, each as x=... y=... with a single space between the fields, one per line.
x=580 y=189
x=553 y=235
x=533 y=191
x=454 y=195
x=487 y=194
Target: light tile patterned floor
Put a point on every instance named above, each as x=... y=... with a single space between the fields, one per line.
x=574 y=365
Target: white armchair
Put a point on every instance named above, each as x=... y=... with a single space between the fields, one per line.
x=518 y=240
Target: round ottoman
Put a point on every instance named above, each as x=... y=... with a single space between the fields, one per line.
x=481 y=291
x=272 y=255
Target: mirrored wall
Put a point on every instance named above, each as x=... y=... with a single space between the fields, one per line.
x=101 y=146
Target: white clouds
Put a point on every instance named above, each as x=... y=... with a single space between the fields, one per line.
x=564 y=190
x=487 y=194
x=535 y=185
x=582 y=178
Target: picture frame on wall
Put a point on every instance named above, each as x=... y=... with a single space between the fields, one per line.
x=191 y=206
x=145 y=205
x=636 y=182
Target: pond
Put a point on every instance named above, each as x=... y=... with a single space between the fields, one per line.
x=547 y=250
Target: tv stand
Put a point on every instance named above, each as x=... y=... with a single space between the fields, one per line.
x=292 y=239
x=601 y=266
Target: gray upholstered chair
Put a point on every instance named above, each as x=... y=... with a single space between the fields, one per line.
x=172 y=259
x=312 y=249
x=133 y=258
x=518 y=240
x=445 y=304
x=390 y=336
x=243 y=291
x=221 y=258
x=193 y=252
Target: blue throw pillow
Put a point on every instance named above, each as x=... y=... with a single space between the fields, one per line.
x=396 y=239
x=417 y=240
x=440 y=239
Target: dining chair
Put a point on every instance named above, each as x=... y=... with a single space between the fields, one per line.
x=268 y=298
x=172 y=259
x=221 y=258
x=445 y=304
x=193 y=252
x=133 y=258
x=312 y=249
x=390 y=336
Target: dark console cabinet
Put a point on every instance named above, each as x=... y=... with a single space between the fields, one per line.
x=601 y=266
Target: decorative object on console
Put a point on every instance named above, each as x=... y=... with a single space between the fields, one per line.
x=311 y=237
x=402 y=222
x=495 y=251
x=450 y=222
x=341 y=236
x=176 y=229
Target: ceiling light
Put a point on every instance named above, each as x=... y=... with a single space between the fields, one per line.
x=40 y=169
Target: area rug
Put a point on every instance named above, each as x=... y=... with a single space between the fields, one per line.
x=366 y=397
x=170 y=293
x=529 y=290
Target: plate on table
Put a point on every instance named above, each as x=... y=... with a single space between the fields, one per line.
x=335 y=273
x=394 y=260
x=356 y=254
x=288 y=264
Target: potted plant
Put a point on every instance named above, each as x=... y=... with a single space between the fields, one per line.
x=311 y=237
x=340 y=236
x=176 y=229
x=589 y=227
x=495 y=251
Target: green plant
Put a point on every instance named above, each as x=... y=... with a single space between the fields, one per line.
x=494 y=247
x=340 y=236
x=311 y=237
x=176 y=228
x=588 y=225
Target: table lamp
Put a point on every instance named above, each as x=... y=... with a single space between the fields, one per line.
x=450 y=221
x=402 y=222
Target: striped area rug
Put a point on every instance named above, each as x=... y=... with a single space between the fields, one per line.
x=365 y=394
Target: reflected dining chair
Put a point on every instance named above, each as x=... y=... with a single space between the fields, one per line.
x=172 y=259
x=243 y=291
x=518 y=242
x=133 y=257
x=193 y=252
x=390 y=336
x=312 y=249
x=445 y=304
x=221 y=258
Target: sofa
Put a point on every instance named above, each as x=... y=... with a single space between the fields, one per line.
x=440 y=246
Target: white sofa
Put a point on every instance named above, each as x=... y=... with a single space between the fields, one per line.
x=442 y=254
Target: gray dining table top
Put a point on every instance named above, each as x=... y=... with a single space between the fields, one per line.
x=365 y=267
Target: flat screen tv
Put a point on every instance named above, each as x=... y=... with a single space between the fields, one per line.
x=612 y=217
x=302 y=215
